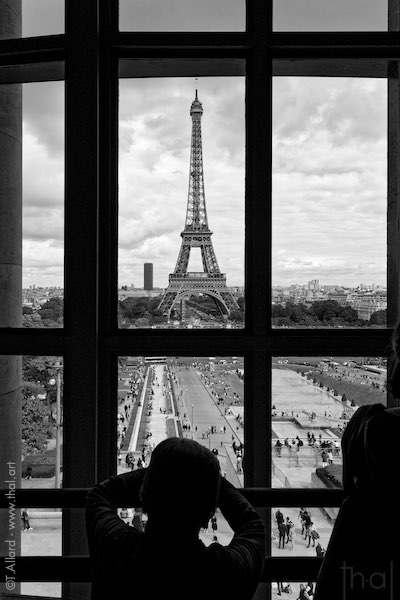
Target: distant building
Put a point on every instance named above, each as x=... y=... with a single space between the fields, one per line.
x=313 y=286
x=148 y=276
x=370 y=302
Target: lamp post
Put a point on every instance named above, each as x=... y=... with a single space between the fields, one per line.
x=192 y=421
x=57 y=382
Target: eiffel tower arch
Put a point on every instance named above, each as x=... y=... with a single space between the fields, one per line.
x=196 y=234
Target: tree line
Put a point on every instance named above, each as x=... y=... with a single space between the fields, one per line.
x=323 y=313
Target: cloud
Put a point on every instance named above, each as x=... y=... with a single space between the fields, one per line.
x=329 y=183
x=154 y=172
x=329 y=177
x=43 y=115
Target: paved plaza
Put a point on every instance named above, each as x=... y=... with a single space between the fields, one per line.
x=198 y=394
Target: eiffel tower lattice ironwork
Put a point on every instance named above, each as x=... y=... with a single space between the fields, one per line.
x=196 y=234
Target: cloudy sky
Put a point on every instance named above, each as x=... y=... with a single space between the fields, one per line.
x=329 y=140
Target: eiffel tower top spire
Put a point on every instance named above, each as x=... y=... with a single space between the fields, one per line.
x=196 y=214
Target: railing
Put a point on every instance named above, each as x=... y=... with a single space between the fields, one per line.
x=77 y=568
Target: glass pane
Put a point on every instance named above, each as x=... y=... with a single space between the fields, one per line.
x=42 y=410
x=290 y=587
x=323 y=15
x=31 y=438
x=43 y=204
x=48 y=589
x=38 y=17
x=42 y=17
x=182 y=15
x=181 y=251
x=199 y=398
x=313 y=399
x=329 y=201
x=32 y=204
x=301 y=531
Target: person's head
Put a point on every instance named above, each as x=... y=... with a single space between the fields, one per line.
x=369 y=443
x=181 y=482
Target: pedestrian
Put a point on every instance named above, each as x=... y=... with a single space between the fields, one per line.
x=28 y=472
x=301 y=518
x=239 y=462
x=290 y=531
x=330 y=457
x=310 y=589
x=279 y=516
x=25 y=520
x=312 y=534
x=119 y=456
x=169 y=494
x=303 y=595
x=324 y=458
x=282 y=529
x=137 y=520
x=307 y=523
x=214 y=524
x=278 y=446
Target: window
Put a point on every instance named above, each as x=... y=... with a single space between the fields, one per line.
x=91 y=57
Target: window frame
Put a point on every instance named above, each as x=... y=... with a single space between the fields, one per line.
x=90 y=342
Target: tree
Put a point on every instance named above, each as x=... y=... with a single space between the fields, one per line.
x=35 y=419
x=52 y=310
x=379 y=317
x=31 y=320
x=277 y=311
x=142 y=323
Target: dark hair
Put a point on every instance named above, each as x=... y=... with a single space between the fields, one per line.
x=368 y=443
x=182 y=481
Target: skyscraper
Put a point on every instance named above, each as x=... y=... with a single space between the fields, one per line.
x=148 y=276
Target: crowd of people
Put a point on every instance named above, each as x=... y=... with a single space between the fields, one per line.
x=286 y=531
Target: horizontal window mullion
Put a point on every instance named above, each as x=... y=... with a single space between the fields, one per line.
x=258 y=496
x=32 y=50
x=329 y=67
x=77 y=568
x=34 y=341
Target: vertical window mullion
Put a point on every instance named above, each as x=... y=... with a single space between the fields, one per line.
x=81 y=269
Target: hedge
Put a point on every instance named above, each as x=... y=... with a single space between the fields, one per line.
x=330 y=475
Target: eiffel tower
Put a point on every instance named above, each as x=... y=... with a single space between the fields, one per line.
x=196 y=234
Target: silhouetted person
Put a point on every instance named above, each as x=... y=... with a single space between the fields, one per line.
x=361 y=560
x=182 y=485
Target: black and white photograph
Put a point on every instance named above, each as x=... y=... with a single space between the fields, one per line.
x=199 y=299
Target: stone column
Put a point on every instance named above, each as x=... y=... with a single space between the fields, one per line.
x=10 y=289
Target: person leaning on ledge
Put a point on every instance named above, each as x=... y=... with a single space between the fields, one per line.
x=179 y=491
x=362 y=560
